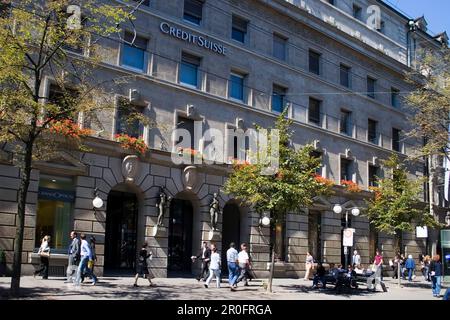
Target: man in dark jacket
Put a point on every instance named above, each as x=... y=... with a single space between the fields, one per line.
x=205 y=256
x=74 y=255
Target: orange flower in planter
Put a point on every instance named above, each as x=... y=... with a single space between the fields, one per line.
x=323 y=180
x=131 y=143
x=376 y=191
x=351 y=186
x=68 y=128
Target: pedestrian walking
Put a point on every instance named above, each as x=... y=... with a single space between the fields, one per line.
x=205 y=256
x=378 y=262
x=309 y=263
x=44 y=255
x=74 y=256
x=436 y=272
x=86 y=256
x=410 y=265
x=232 y=262
x=356 y=259
x=214 y=267
x=244 y=265
x=142 y=265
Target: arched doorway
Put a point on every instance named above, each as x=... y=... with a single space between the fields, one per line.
x=231 y=230
x=121 y=232
x=180 y=237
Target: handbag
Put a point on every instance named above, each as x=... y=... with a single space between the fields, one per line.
x=90 y=264
x=45 y=254
x=374 y=267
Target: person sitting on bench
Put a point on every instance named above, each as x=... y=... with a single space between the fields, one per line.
x=319 y=276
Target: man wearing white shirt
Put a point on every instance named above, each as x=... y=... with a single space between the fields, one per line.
x=244 y=264
x=232 y=261
x=214 y=267
x=356 y=260
x=86 y=255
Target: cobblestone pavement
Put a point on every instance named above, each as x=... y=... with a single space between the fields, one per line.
x=190 y=289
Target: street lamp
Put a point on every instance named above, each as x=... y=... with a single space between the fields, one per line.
x=337 y=208
x=97 y=203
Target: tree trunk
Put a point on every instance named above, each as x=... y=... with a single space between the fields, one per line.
x=269 y=286
x=397 y=240
x=20 y=223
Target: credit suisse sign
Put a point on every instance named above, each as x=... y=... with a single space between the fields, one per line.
x=192 y=38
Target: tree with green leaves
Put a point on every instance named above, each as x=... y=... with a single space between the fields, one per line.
x=56 y=39
x=396 y=205
x=290 y=188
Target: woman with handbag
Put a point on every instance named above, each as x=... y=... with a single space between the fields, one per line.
x=309 y=263
x=44 y=253
x=142 y=266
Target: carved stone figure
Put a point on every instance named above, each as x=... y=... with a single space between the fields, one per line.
x=190 y=177
x=214 y=211
x=163 y=205
x=130 y=168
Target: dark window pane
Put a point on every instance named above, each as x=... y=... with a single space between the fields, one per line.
x=395 y=97
x=237 y=87
x=371 y=87
x=189 y=69
x=346 y=173
x=357 y=12
x=239 y=29
x=125 y=122
x=134 y=51
x=193 y=11
x=278 y=98
x=373 y=176
x=314 y=62
x=396 y=139
x=345 y=76
x=372 y=131
x=279 y=47
x=314 y=111
x=345 y=127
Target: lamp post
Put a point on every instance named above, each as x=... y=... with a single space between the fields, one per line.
x=355 y=212
x=265 y=222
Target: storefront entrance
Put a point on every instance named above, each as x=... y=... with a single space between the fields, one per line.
x=180 y=237
x=121 y=232
x=231 y=231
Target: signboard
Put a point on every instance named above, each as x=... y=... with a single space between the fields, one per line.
x=189 y=37
x=445 y=242
x=421 y=232
x=56 y=195
x=348 y=237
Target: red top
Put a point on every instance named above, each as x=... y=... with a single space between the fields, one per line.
x=378 y=259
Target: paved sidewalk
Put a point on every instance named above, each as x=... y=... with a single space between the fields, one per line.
x=190 y=289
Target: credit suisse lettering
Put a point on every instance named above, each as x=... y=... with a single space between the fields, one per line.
x=191 y=38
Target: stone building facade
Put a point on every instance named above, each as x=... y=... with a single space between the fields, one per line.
x=228 y=64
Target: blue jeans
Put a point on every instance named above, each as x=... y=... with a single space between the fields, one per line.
x=410 y=273
x=83 y=268
x=436 y=285
x=232 y=272
x=447 y=294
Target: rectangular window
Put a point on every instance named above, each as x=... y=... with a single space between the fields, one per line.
x=133 y=54
x=396 y=139
x=381 y=27
x=314 y=111
x=278 y=98
x=314 y=62
x=346 y=173
x=145 y=2
x=357 y=12
x=314 y=234
x=239 y=29
x=237 y=86
x=279 y=47
x=345 y=75
x=346 y=122
x=278 y=238
x=395 y=93
x=65 y=99
x=373 y=176
x=189 y=69
x=331 y=2
x=317 y=155
x=56 y=196
x=187 y=124
x=193 y=11
x=372 y=135
x=371 y=82
x=126 y=123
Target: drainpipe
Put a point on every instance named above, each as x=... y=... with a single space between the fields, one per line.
x=412 y=27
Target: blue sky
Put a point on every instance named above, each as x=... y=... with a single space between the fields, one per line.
x=436 y=12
